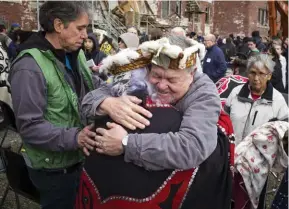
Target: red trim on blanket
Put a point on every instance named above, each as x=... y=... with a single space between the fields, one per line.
x=226 y=127
x=88 y=189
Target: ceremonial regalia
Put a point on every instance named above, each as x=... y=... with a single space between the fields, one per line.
x=111 y=183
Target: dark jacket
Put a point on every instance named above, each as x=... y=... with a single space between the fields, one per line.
x=243 y=49
x=259 y=44
x=276 y=79
x=95 y=53
x=243 y=62
x=214 y=64
x=229 y=51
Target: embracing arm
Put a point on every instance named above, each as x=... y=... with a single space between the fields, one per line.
x=188 y=148
x=92 y=100
x=123 y=110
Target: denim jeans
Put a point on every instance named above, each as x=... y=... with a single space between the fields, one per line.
x=57 y=190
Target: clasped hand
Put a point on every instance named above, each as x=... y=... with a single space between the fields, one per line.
x=104 y=141
x=109 y=141
x=123 y=110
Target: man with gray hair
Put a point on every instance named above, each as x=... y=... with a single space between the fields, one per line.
x=48 y=80
x=214 y=64
x=175 y=84
x=178 y=31
x=172 y=83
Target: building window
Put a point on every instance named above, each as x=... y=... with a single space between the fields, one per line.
x=207 y=20
x=165 y=9
x=196 y=17
x=263 y=17
x=178 y=7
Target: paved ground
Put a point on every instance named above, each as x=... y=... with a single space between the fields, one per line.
x=27 y=204
x=10 y=200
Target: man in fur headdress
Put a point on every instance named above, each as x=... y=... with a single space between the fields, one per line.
x=186 y=155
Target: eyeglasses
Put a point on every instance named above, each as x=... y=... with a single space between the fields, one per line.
x=260 y=75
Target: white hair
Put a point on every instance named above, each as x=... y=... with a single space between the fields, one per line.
x=122 y=58
x=260 y=61
x=178 y=31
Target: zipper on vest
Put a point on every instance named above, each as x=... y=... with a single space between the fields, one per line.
x=254 y=118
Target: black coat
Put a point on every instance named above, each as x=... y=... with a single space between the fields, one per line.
x=229 y=51
x=112 y=176
x=276 y=79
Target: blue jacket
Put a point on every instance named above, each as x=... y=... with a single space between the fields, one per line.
x=214 y=63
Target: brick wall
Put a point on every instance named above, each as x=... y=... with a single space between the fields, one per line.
x=253 y=18
x=230 y=17
x=191 y=25
x=20 y=13
x=203 y=5
x=238 y=16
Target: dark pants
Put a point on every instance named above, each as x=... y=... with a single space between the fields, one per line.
x=57 y=189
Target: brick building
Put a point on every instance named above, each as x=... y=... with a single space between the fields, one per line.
x=222 y=17
x=194 y=15
x=240 y=16
x=19 y=11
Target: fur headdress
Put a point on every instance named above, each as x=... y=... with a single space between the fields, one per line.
x=165 y=52
x=128 y=67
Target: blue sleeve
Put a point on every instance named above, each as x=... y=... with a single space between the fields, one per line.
x=12 y=51
x=221 y=64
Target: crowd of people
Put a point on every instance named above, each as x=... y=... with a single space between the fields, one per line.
x=141 y=124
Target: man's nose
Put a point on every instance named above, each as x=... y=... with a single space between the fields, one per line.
x=162 y=84
x=84 y=34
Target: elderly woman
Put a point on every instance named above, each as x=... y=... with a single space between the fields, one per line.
x=256 y=102
x=182 y=135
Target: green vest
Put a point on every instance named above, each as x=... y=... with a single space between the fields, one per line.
x=62 y=109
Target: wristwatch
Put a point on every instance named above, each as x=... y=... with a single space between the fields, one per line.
x=124 y=141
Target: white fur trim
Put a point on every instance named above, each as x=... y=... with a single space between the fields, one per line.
x=156 y=47
x=202 y=52
x=121 y=58
x=187 y=52
x=161 y=46
x=173 y=51
x=201 y=47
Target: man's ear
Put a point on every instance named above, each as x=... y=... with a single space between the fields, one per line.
x=58 y=25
